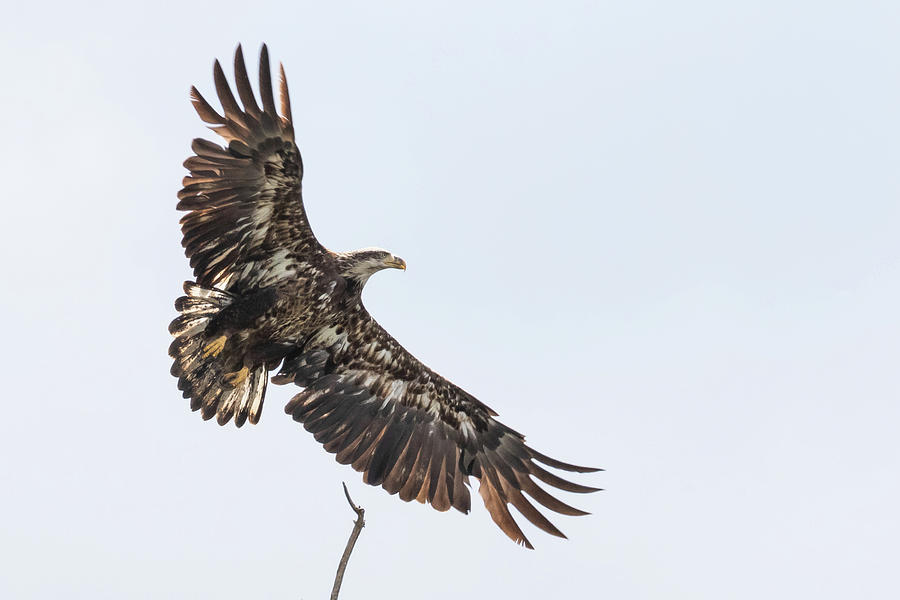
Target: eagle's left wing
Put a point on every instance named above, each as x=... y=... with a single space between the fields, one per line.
x=413 y=432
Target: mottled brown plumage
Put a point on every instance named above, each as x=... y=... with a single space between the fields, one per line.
x=268 y=294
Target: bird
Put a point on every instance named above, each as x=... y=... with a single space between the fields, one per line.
x=266 y=294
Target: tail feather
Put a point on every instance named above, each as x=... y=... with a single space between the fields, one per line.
x=202 y=378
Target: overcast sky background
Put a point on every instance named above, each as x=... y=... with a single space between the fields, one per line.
x=661 y=238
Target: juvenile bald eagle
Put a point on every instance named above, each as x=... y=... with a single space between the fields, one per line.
x=268 y=294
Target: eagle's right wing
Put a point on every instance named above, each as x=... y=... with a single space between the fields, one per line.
x=247 y=227
x=408 y=429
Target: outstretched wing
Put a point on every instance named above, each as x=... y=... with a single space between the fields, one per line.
x=246 y=227
x=413 y=432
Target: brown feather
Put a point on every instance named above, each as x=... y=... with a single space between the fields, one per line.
x=242 y=82
x=232 y=111
x=285 y=97
x=557 y=464
x=398 y=474
x=265 y=83
x=206 y=112
x=496 y=505
x=539 y=494
x=559 y=482
x=532 y=514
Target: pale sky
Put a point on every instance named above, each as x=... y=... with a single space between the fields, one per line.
x=660 y=238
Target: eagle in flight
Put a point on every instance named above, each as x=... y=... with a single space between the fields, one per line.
x=267 y=293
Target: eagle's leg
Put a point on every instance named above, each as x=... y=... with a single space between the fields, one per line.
x=237 y=378
x=236 y=320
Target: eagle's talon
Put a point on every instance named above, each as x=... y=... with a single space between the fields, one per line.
x=214 y=348
x=237 y=378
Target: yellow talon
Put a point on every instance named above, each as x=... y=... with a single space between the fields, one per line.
x=214 y=348
x=236 y=379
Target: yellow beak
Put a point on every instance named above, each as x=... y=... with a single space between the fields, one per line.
x=396 y=263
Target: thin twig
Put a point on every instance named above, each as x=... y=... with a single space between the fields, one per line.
x=357 y=528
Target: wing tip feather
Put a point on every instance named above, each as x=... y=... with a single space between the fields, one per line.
x=285 y=96
x=558 y=464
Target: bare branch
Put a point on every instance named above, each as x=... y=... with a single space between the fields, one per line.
x=357 y=528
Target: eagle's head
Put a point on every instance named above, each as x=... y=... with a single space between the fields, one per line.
x=359 y=265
